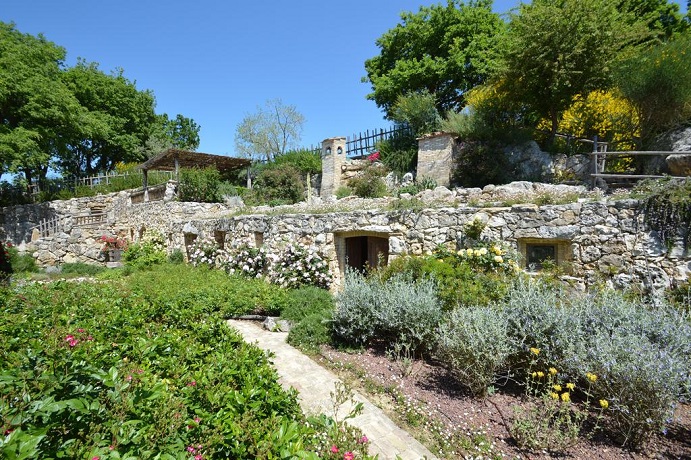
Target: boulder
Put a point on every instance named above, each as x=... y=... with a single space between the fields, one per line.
x=679 y=164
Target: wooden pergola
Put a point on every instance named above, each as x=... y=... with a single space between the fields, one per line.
x=174 y=159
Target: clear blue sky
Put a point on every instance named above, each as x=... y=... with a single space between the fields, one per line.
x=217 y=60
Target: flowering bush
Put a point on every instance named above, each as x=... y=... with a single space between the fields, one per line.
x=247 y=261
x=298 y=265
x=112 y=242
x=205 y=252
x=489 y=257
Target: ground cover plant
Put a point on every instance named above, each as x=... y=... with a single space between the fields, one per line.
x=144 y=367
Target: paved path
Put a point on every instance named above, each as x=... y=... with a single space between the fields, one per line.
x=315 y=384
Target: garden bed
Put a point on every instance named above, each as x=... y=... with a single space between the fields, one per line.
x=426 y=400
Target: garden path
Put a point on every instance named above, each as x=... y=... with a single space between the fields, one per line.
x=315 y=385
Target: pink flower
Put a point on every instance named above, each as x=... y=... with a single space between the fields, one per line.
x=197 y=419
x=80 y=330
x=198 y=457
x=95 y=457
x=334 y=449
x=192 y=384
x=191 y=449
x=348 y=456
x=363 y=440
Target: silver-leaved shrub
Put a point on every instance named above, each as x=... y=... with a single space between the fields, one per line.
x=394 y=310
x=474 y=345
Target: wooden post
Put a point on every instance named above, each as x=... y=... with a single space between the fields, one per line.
x=595 y=160
x=145 y=184
x=177 y=169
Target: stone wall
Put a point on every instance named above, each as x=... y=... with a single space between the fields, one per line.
x=593 y=239
x=435 y=157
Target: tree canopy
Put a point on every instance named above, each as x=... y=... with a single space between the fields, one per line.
x=444 y=50
x=270 y=132
x=76 y=120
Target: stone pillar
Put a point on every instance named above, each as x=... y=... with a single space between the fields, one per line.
x=333 y=157
x=435 y=157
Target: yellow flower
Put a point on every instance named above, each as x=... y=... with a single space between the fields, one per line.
x=552 y=371
x=498 y=259
x=482 y=251
x=470 y=252
x=534 y=374
x=554 y=395
x=540 y=374
x=557 y=387
x=604 y=403
x=591 y=377
x=535 y=351
x=571 y=386
x=496 y=250
x=566 y=397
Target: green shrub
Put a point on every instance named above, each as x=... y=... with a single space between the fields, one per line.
x=481 y=163
x=343 y=191
x=176 y=256
x=146 y=371
x=278 y=184
x=246 y=261
x=395 y=310
x=80 y=268
x=370 y=183
x=310 y=311
x=305 y=161
x=21 y=263
x=474 y=344
x=399 y=153
x=143 y=255
x=199 y=185
x=459 y=282
x=5 y=264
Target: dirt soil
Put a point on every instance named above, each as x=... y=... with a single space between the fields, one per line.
x=433 y=390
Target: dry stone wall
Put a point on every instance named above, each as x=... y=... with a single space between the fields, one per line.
x=596 y=239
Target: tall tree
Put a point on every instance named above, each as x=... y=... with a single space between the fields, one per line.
x=271 y=131
x=118 y=118
x=37 y=110
x=557 y=49
x=180 y=133
x=443 y=50
x=663 y=17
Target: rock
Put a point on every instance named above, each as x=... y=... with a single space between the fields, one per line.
x=274 y=324
x=407 y=179
x=679 y=164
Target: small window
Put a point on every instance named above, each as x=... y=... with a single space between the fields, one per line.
x=538 y=254
x=220 y=238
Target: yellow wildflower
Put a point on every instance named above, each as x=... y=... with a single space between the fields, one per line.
x=557 y=387
x=482 y=251
x=498 y=259
x=566 y=397
x=554 y=395
x=534 y=374
x=591 y=377
x=496 y=250
x=571 y=386
x=470 y=252
x=535 y=351
x=604 y=403
x=552 y=371
x=540 y=374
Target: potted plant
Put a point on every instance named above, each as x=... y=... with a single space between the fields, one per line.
x=113 y=247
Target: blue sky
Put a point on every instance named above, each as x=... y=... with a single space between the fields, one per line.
x=216 y=61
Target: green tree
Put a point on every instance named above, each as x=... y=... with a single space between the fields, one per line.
x=271 y=131
x=37 y=110
x=117 y=121
x=445 y=50
x=557 y=49
x=180 y=133
x=656 y=81
x=662 y=17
